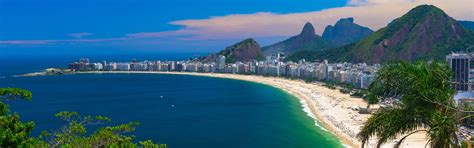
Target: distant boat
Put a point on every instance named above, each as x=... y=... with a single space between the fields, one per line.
x=161 y=96
x=172 y=105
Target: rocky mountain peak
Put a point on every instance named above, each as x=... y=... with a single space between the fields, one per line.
x=345 y=31
x=308 y=30
x=348 y=20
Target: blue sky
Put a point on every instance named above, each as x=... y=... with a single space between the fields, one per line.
x=57 y=27
x=47 y=19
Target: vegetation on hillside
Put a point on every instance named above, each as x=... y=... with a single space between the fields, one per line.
x=424 y=33
x=244 y=51
x=15 y=133
x=467 y=24
x=332 y=55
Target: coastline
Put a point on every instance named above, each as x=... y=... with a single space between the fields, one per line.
x=330 y=108
x=312 y=100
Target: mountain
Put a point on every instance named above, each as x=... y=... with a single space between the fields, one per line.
x=244 y=51
x=467 y=24
x=345 y=31
x=424 y=33
x=306 y=40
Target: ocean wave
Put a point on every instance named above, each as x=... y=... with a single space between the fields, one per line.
x=345 y=145
x=310 y=114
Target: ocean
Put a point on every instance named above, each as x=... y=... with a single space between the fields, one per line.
x=192 y=112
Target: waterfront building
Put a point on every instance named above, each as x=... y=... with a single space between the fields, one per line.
x=460 y=64
x=123 y=67
x=141 y=67
x=220 y=62
x=110 y=67
x=84 y=60
x=172 y=66
x=97 y=66
x=164 y=67
x=359 y=75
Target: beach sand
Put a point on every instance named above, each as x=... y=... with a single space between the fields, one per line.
x=330 y=108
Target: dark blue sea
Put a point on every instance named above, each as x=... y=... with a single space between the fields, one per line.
x=193 y=112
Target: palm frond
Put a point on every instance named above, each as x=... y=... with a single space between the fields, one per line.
x=388 y=124
x=426 y=97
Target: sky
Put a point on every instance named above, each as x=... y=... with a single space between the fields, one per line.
x=66 y=27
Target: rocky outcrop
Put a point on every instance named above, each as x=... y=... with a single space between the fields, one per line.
x=345 y=31
x=306 y=40
x=244 y=51
x=424 y=33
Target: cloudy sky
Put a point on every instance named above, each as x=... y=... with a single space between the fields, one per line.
x=69 y=26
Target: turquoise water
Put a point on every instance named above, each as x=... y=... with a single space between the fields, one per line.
x=207 y=112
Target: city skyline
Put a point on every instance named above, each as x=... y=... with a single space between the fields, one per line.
x=239 y=73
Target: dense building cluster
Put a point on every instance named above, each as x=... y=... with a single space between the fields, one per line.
x=359 y=75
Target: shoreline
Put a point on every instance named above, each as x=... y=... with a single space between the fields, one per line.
x=331 y=109
x=309 y=98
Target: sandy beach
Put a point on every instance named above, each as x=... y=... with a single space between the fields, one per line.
x=331 y=108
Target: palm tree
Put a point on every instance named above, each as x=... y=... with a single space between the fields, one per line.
x=425 y=104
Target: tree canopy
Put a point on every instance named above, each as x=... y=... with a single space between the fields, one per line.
x=423 y=101
x=15 y=133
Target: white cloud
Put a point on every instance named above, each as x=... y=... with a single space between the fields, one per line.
x=374 y=14
x=80 y=34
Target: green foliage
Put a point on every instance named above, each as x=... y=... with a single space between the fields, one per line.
x=410 y=19
x=7 y=94
x=426 y=104
x=308 y=55
x=371 y=99
x=248 y=47
x=332 y=55
x=358 y=93
x=75 y=130
x=260 y=57
x=330 y=86
x=467 y=118
x=14 y=133
x=424 y=33
x=467 y=24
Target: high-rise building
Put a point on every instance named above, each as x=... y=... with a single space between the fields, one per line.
x=460 y=64
x=123 y=66
x=172 y=66
x=84 y=60
x=220 y=62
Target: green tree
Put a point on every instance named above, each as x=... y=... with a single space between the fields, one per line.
x=371 y=99
x=425 y=104
x=73 y=133
x=14 y=133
